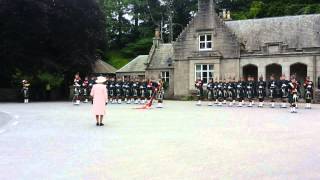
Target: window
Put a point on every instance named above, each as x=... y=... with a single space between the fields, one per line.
x=205 y=42
x=165 y=76
x=204 y=72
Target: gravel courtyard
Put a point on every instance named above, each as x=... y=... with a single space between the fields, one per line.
x=180 y=142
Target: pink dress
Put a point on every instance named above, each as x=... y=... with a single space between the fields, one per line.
x=100 y=96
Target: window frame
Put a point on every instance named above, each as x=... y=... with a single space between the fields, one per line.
x=166 y=77
x=206 y=41
x=208 y=71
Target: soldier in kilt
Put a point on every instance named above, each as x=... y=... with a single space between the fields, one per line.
x=112 y=90
x=85 y=89
x=272 y=86
x=250 y=90
x=225 y=91
x=215 y=91
x=119 y=92
x=231 y=92
x=293 y=94
x=240 y=93
x=284 y=91
x=261 y=89
x=143 y=91
x=199 y=87
x=210 y=86
x=25 y=91
x=308 y=86
x=135 y=91
x=220 y=89
x=160 y=93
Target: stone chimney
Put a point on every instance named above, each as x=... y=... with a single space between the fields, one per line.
x=224 y=13
x=157 y=38
x=207 y=18
x=206 y=6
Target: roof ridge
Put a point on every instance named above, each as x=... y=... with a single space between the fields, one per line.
x=276 y=17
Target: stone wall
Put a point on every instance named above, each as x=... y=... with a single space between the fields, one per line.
x=181 y=78
x=284 y=60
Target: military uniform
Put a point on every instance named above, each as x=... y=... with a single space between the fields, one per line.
x=221 y=94
x=77 y=90
x=284 y=92
x=25 y=91
x=199 y=87
x=85 y=90
x=272 y=86
x=231 y=93
x=240 y=93
x=135 y=91
x=143 y=92
x=210 y=87
x=160 y=94
x=308 y=86
x=215 y=92
x=118 y=88
x=112 y=91
x=261 y=92
x=293 y=96
x=250 y=92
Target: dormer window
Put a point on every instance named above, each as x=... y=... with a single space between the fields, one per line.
x=205 y=42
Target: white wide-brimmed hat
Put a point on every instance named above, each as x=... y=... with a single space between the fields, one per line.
x=101 y=79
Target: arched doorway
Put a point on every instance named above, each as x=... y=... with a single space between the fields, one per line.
x=300 y=71
x=250 y=70
x=273 y=69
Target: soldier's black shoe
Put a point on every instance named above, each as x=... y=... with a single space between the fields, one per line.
x=101 y=124
x=98 y=124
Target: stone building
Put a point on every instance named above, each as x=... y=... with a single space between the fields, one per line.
x=210 y=47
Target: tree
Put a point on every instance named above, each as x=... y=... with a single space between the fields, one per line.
x=58 y=36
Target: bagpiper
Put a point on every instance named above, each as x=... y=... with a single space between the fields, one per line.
x=77 y=89
x=160 y=93
x=308 y=86
x=85 y=89
x=293 y=94
x=199 y=87
x=153 y=94
x=25 y=90
x=210 y=87
x=261 y=89
x=284 y=91
x=272 y=86
x=149 y=90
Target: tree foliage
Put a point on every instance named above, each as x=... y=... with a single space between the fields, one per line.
x=57 y=36
x=42 y=37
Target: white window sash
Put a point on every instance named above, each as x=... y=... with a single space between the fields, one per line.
x=205 y=42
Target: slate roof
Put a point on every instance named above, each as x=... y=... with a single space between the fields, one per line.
x=102 y=67
x=296 y=31
x=136 y=65
x=162 y=57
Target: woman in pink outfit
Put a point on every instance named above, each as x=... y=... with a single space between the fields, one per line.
x=100 y=96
